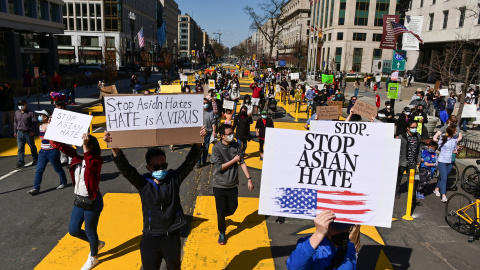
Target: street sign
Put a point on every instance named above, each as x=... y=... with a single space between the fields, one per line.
x=387 y=66
x=254 y=56
x=281 y=63
x=398 y=60
x=35 y=73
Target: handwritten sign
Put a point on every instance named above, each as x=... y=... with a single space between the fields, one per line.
x=183 y=78
x=139 y=112
x=108 y=90
x=211 y=84
x=327 y=112
x=443 y=92
x=68 y=127
x=438 y=84
x=394 y=76
x=294 y=76
x=392 y=92
x=228 y=104
x=367 y=129
x=353 y=176
x=327 y=78
x=170 y=89
x=364 y=109
x=469 y=111
x=339 y=104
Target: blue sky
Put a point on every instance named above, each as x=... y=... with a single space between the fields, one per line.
x=224 y=15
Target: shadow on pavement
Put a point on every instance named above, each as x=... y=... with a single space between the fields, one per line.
x=13 y=190
x=248 y=259
x=121 y=250
x=249 y=222
x=109 y=176
x=192 y=223
x=399 y=257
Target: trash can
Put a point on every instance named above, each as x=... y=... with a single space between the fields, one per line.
x=432 y=123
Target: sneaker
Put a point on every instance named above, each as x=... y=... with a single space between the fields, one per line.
x=444 y=199
x=101 y=244
x=437 y=193
x=222 y=240
x=73 y=103
x=34 y=163
x=33 y=191
x=421 y=196
x=19 y=166
x=198 y=166
x=417 y=194
x=62 y=186
x=91 y=263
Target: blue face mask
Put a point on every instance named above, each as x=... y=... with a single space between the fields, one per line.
x=40 y=118
x=160 y=175
x=413 y=130
x=205 y=106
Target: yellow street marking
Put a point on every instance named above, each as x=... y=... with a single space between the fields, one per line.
x=120 y=226
x=8 y=147
x=394 y=219
x=383 y=263
x=97 y=108
x=373 y=233
x=99 y=121
x=248 y=245
x=308 y=231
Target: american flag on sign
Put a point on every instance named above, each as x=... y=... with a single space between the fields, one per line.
x=348 y=206
x=400 y=29
x=141 y=39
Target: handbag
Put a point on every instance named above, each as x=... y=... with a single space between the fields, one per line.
x=83 y=202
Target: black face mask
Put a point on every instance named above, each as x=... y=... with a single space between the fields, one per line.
x=340 y=239
x=244 y=113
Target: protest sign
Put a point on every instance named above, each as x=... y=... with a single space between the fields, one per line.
x=389 y=39
x=183 y=78
x=364 y=109
x=294 y=76
x=438 y=84
x=366 y=129
x=153 y=120
x=419 y=124
x=339 y=104
x=394 y=76
x=353 y=176
x=327 y=78
x=68 y=127
x=327 y=112
x=107 y=90
x=443 y=92
x=228 y=104
x=414 y=24
x=171 y=89
x=393 y=90
x=211 y=84
x=469 y=111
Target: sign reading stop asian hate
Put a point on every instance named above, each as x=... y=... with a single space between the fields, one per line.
x=68 y=127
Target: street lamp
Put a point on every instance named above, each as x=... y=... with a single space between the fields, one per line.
x=195 y=56
x=175 y=53
x=132 y=18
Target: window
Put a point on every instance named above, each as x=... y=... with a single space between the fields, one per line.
x=110 y=41
x=377 y=53
x=43 y=10
x=478 y=19
x=64 y=40
x=184 y=36
x=77 y=10
x=14 y=7
x=377 y=37
x=359 y=36
x=338 y=57
x=462 y=17
x=357 y=59
x=99 y=24
x=55 y=13
x=184 y=31
x=421 y=3
x=361 y=12
x=84 y=10
x=29 y=8
x=434 y=1
x=381 y=9
x=89 y=41
x=183 y=25
x=430 y=23
x=71 y=24
x=98 y=10
x=70 y=9
x=184 y=19
x=445 y=19
x=340 y=36
x=341 y=13
x=326 y=13
x=329 y=36
x=331 y=13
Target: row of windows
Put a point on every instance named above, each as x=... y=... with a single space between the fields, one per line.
x=82 y=24
x=34 y=9
x=84 y=10
x=461 y=18
x=357 y=57
x=360 y=36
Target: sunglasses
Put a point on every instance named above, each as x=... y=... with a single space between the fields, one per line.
x=164 y=166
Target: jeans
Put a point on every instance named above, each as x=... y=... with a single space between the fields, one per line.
x=88 y=82
x=463 y=123
x=444 y=170
x=44 y=156
x=205 y=146
x=6 y=118
x=22 y=138
x=356 y=91
x=226 y=202
x=71 y=95
x=155 y=248
x=243 y=143
x=80 y=215
x=378 y=85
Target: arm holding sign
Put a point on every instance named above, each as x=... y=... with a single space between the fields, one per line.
x=192 y=158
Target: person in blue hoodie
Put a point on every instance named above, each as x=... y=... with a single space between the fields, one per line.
x=328 y=248
x=427 y=168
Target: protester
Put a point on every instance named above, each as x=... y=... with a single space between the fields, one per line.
x=44 y=82
x=419 y=100
x=24 y=126
x=27 y=81
x=159 y=191
x=47 y=153
x=451 y=104
x=283 y=93
x=356 y=85
x=452 y=120
x=88 y=78
x=427 y=168
x=410 y=154
x=429 y=99
x=7 y=110
x=353 y=99
x=420 y=116
x=60 y=104
x=241 y=126
x=441 y=110
x=85 y=172
x=255 y=97
x=387 y=112
x=235 y=97
x=209 y=120
x=402 y=122
x=377 y=100
x=71 y=83
x=260 y=129
x=56 y=80
x=469 y=99
x=225 y=177
x=448 y=147
x=247 y=102
x=339 y=96
x=328 y=248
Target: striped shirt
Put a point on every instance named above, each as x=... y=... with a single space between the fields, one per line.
x=45 y=144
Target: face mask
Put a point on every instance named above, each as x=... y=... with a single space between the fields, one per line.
x=407 y=113
x=205 y=106
x=413 y=130
x=431 y=151
x=21 y=107
x=160 y=175
x=40 y=118
x=353 y=101
x=264 y=116
x=419 y=110
x=417 y=97
x=229 y=138
x=338 y=239
x=244 y=113
x=388 y=107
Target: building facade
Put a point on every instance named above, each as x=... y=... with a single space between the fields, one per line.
x=93 y=27
x=444 y=22
x=190 y=36
x=27 y=28
x=347 y=34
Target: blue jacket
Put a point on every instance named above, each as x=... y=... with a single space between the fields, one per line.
x=305 y=257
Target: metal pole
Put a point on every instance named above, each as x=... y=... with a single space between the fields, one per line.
x=132 y=26
x=411 y=179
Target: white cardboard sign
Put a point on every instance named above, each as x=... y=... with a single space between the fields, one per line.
x=367 y=129
x=140 y=112
x=469 y=111
x=68 y=127
x=183 y=78
x=349 y=175
x=443 y=92
x=228 y=104
x=294 y=76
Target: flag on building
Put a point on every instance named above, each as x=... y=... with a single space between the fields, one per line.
x=400 y=29
x=141 y=39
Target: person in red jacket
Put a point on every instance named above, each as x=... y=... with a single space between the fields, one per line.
x=377 y=100
x=85 y=172
x=255 y=96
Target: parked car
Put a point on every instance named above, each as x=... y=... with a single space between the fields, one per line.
x=353 y=75
x=94 y=67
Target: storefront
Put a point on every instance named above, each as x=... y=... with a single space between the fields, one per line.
x=66 y=56
x=91 y=55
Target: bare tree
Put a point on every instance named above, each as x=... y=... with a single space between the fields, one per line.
x=110 y=61
x=270 y=23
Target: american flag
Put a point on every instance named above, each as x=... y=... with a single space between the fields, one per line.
x=348 y=206
x=400 y=29
x=141 y=39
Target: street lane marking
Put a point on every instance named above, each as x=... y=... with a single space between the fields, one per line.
x=248 y=244
x=14 y=171
x=383 y=263
x=373 y=233
x=120 y=226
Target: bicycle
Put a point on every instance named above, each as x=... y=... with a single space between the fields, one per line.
x=463 y=214
x=470 y=177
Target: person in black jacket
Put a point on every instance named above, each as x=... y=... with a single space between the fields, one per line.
x=242 y=124
x=420 y=116
x=260 y=128
x=159 y=191
x=389 y=114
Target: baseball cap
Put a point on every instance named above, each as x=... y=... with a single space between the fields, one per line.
x=22 y=102
x=44 y=112
x=264 y=112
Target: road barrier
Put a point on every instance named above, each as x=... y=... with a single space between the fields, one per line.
x=411 y=182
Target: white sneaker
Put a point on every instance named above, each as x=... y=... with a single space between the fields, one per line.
x=91 y=263
x=101 y=244
x=437 y=193
x=444 y=199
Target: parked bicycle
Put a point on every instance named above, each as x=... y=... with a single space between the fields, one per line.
x=470 y=178
x=462 y=214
